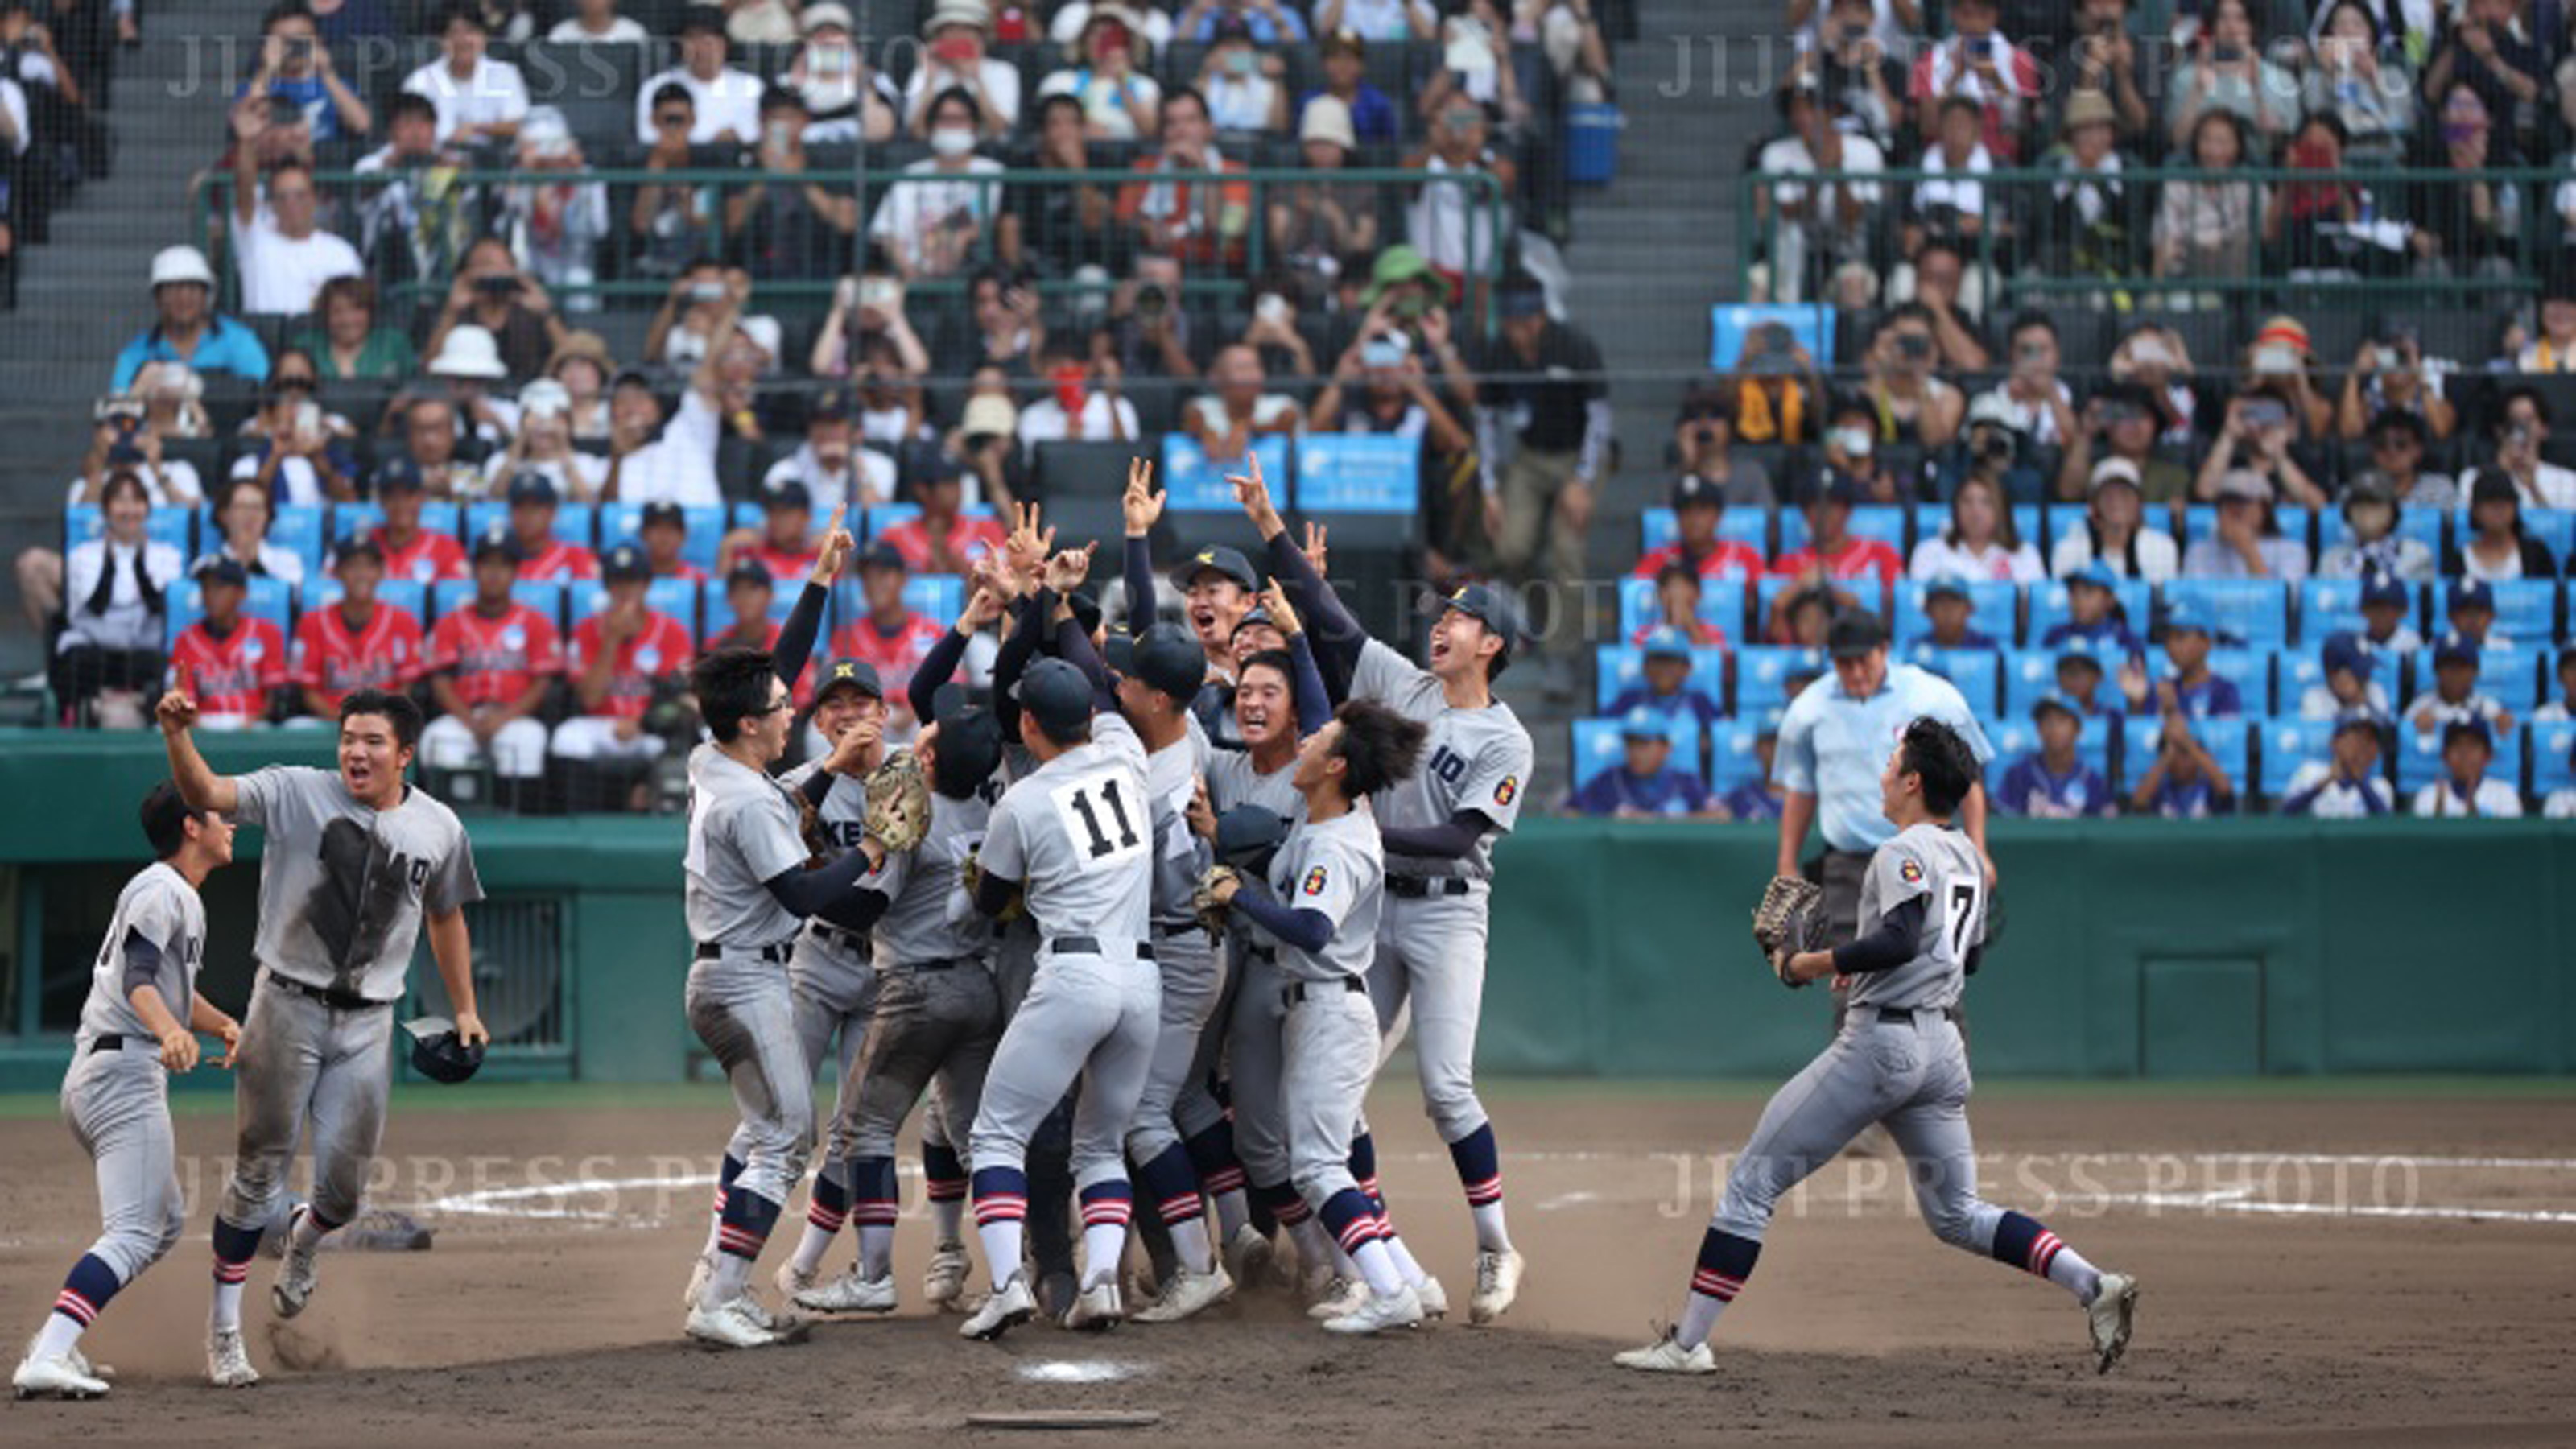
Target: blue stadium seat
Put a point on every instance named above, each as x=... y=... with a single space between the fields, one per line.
x=2253 y=612
x=2513 y=676
x=2287 y=743
x=675 y=597
x=1994 y=610
x=1977 y=673
x=1885 y=522
x=1599 y=746
x=2424 y=525
x=2229 y=741
x=295 y=527
x=1730 y=323
x=2327 y=605
x=268 y=599
x=2419 y=760
x=174 y=526
x=1732 y=760
x=2048 y=608
x=408 y=595
x=1721 y=602
x=437 y=515
x=1749 y=526
x=938 y=597
x=2526 y=610
x=448 y=595
x=2029 y=674
x=2014 y=738
x=1762 y=676
x=1358 y=473
x=1768 y=591
x=1620 y=667
x=2549 y=748
x=624 y=523
x=2298 y=524
x=2555 y=527
x=481 y=517
x=1195 y=483
x=2250 y=670
x=577 y=524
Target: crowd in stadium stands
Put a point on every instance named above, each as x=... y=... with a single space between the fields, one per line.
x=459 y=392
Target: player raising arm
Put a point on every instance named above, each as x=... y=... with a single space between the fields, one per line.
x=1898 y=1060
x=137 y=1027
x=357 y=863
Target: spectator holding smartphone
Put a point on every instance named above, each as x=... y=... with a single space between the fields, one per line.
x=2521 y=431
x=491 y=292
x=295 y=68
x=957 y=32
x=1979 y=64
x=2391 y=374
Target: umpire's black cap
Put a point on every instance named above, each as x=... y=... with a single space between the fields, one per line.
x=1169 y=659
x=1056 y=695
x=437 y=1054
x=856 y=674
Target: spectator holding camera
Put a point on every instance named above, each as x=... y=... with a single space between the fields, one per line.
x=1379 y=387
x=933 y=217
x=1008 y=330
x=724 y=102
x=1113 y=99
x=846 y=99
x=491 y=292
x=1703 y=439
x=295 y=455
x=2225 y=71
x=1851 y=70
x=126 y=437
x=2470 y=222
x=1779 y=396
x=2122 y=421
x=295 y=68
x=2256 y=441
x=794 y=229
x=2033 y=400
x=695 y=315
x=1913 y=405
x=1242 y=84
x=1458 y=228
x=1851 y=447
x=2521 y=431
x=2390 y=374
x=1156 y=335
x=2367 y=87
x=670 y=220
x=478 y=98
x=2490 y=53
x=543 y=444
x=957 y=33
x=1979 y=65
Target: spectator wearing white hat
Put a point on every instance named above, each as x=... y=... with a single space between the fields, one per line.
x=280 y=246
x=478 y=98
x=727 y=100
x=958 y=32
x=1120 y=102
x=468 y=361
x=846 y=99
x=542 y=443
x=186 y=328
x=491 y=292
x=2113 y=531
x=1315 y=224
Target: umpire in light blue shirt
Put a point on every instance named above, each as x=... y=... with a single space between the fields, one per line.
x=1834 y=742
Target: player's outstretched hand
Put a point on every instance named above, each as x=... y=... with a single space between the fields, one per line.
x=1253 y=492
x=179 y=1049
x=1029 y=543
x=469 y=1030
x=1066 y=571
x=1142 y=506
x=1316 y=552
x=1274 y=600
x=177 y=712
x=837 y=544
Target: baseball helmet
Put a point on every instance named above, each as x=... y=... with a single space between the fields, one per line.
x=437 y=1054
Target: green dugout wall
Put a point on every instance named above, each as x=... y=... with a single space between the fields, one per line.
x=2134 y=948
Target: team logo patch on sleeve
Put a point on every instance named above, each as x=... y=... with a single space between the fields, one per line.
x=1504 y=792
x=1315 y=881
x=1911 y=872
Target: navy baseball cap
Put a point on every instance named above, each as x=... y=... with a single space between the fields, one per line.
x=1247 y=834
x=1854 y=633
x=1169 y=659
x=1227 y=562
x=438 y=1053
x=356 y=545
x=2343 y=650
x=2186 y=619
x=788 y=494
x=662 y=510
x=856 y=674
x=398 y=474
x=1691 y=489
x=831 y=407
x=2474 y=729
x=1256 y=616
x=1666 y=642
x=2472 y=594
x=498 y=540
x=2454 y=648
x=2057 y=702
x=530 y=486
x=625 y=563
x=2357 y=719
x=1946 y=586
x=882 y=555
x=2079 y=653
x=222 y=570
x=970 y=741
x=1118 y=651
x=1830 y=485
x=750 y=571
x=1490 y=606
x=2382 y=587
x=2096 y=574
x=1055 y=694
x=1642 y=723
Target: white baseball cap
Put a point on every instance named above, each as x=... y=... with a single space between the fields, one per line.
x=469 y=351
x=764 y=333
x=828 y=12
x=181 y=264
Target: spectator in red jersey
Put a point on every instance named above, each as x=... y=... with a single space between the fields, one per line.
x=617 y=656
x=665 y=529
x=409 y=551
x=889 y=636
x=942 y=540
x=489 y=666
x=1698 y=507
x=359 y=642
x=1832 y=551
x=231 y=663
x=544 y=558
x=1677 y=593
x=785 y=543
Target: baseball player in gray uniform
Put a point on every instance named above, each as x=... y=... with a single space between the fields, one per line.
x=1327 y=891
x=138 y=1026
x=748 y=890
x=938 y=1010
x=830 y=974
x=1439 y=829
x=1076 y=840
x=356 y=864
x=1899 y=1061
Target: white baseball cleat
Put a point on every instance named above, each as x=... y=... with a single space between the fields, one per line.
x=1250 y=1258
x=1379 y=1312
x=2110 y=1314
x=227 y=1362
x=1435 y=1299
x=1665 y=1356
x=738 y=1324
x=849 y=1293
x=1097 y=1310
x=943 y=1283
x=1187 y=1294
x=54 y=1377
x=1340 y=1295
x=1498 y=1282
x=1009 y=1306
x=295 y=1277
x=80 y=1362
x=699 y=1273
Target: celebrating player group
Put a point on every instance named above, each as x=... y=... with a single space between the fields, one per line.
x=1147 y=923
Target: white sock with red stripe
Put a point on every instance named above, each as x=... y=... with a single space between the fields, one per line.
x=1001 y=1208
x=2027 y=1244
x=1725 y=1261
x=234 y=1248
x=725 y=1174
x=827 y=1207
x=85 y=1292
x=1106 y=1207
